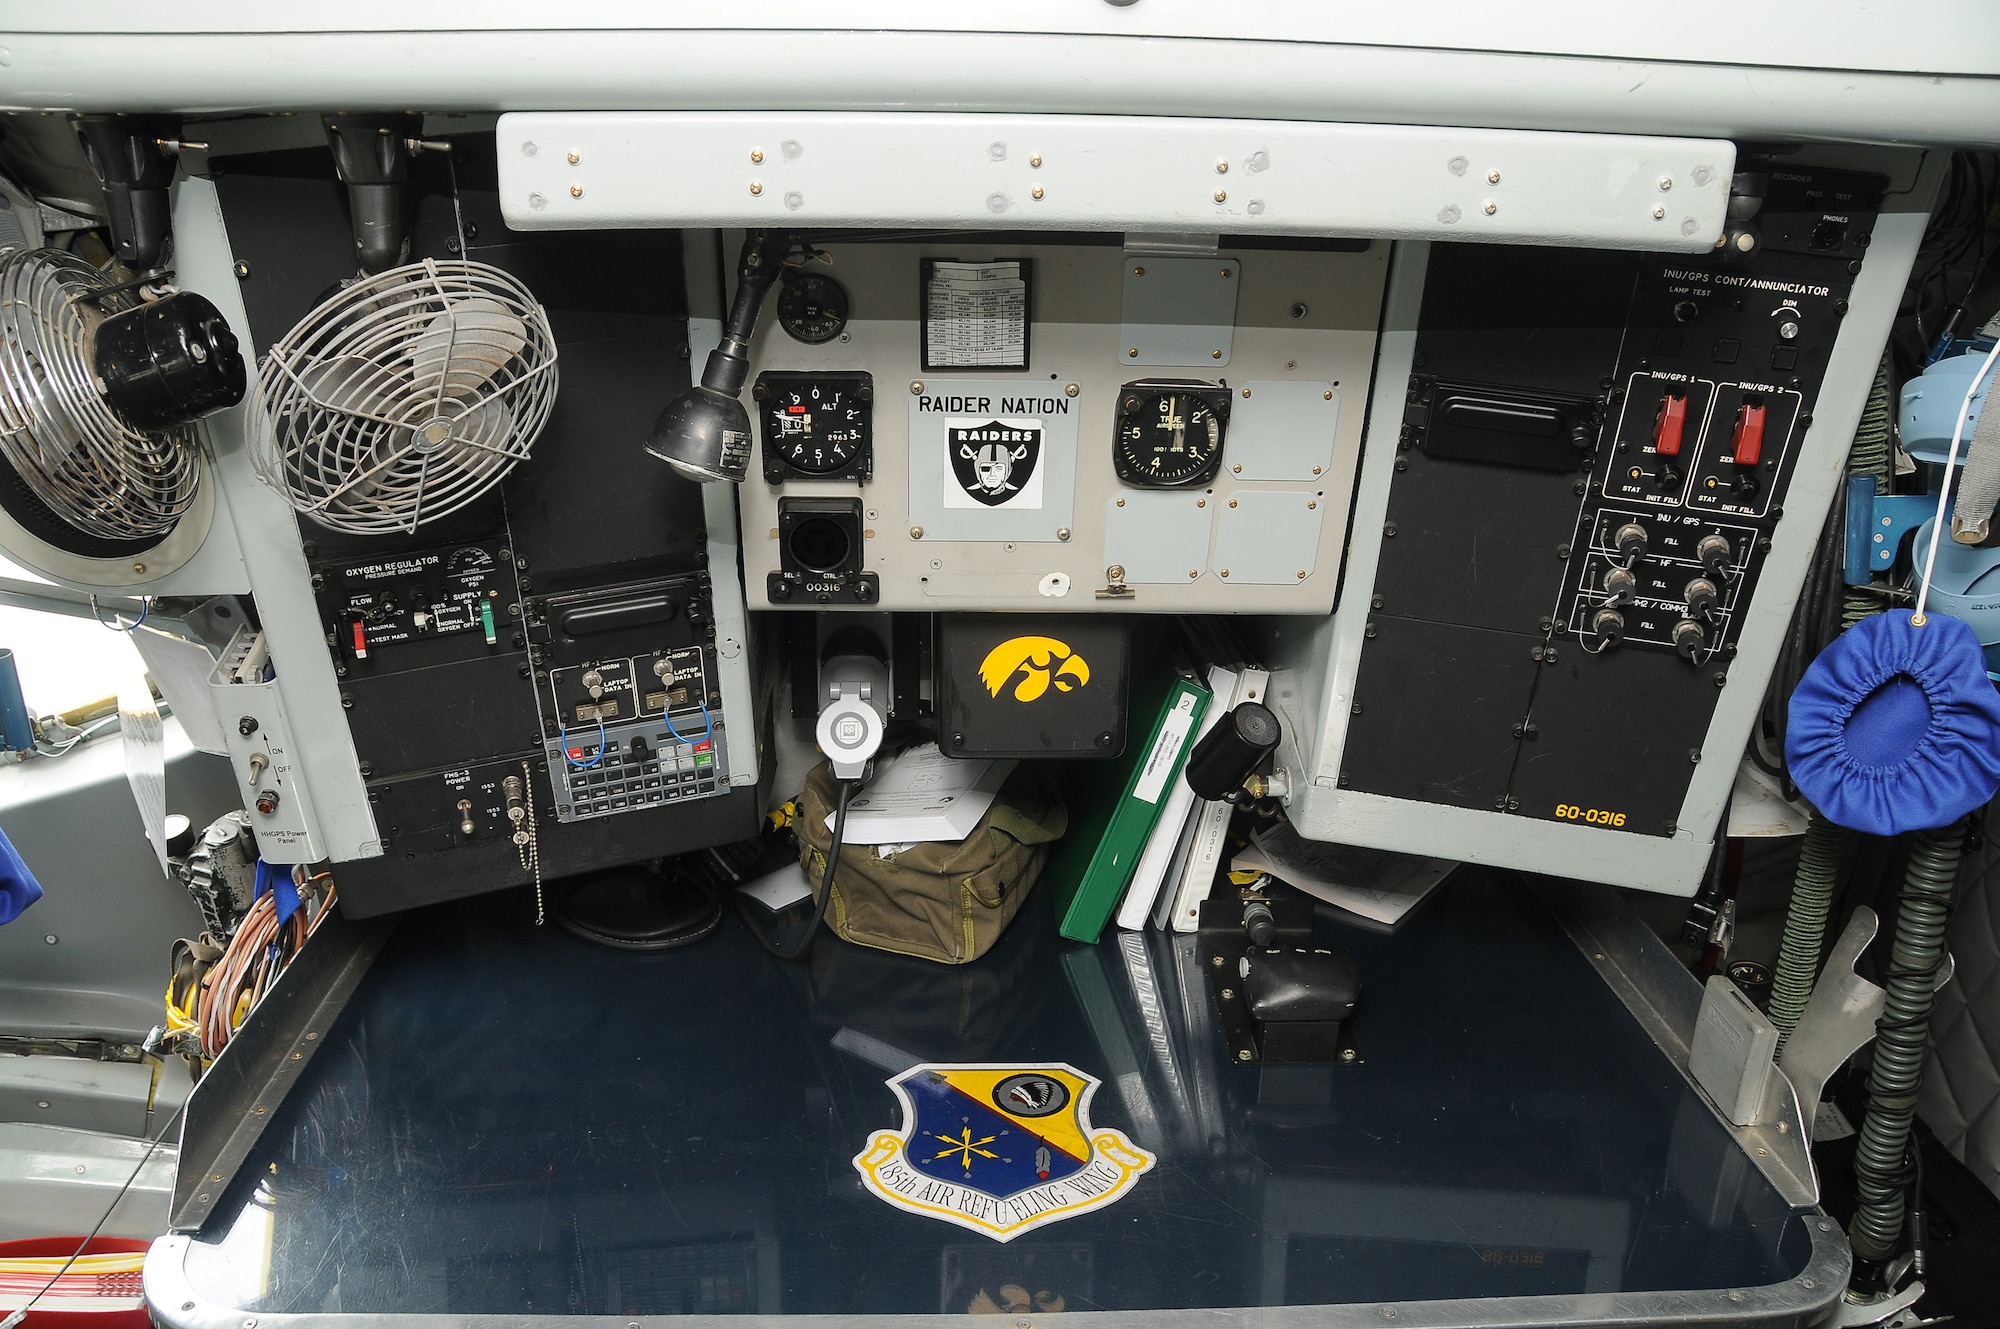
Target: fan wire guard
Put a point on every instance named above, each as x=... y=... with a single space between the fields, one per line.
x=70 y=447
x=406 y=396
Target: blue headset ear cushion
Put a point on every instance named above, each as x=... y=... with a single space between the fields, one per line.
x=1896 y=727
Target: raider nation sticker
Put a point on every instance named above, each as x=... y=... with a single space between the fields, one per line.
x=1000 y=1149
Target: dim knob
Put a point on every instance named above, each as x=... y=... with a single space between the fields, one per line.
x=1630 y=542
x=1689 y=638
x=1702 y=597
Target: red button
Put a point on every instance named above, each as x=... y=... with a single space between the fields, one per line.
x=1747 y=443
x=360 y=640
x=703 y=746
x=576 y=754
x=1669 y=424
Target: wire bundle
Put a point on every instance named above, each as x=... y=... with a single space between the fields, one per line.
x=251 y=963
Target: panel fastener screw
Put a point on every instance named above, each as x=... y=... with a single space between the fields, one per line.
x=1132 y=354
x=1227 y=993
x=916 y=532
x=1327 y=395
x=1193 y=573
x=576 y=191
x=1236 y=470
x=1034 y=159
x=1347 y=1054
x=1493 y=177
x=1215 y=355
x=1246 y=392
x=1302 y=574
x=1138 y=272
x=1222 y=166
x=1036 y=192
x=756 y=186
x=916 y=387
x=1232 y=502
x=1215 y=961
x=574 y=156
x=1221 y=196
x=1666 y=183
x=1244 y=1055
x=756 y=156
x=241 y=269
x=1490 y=207
x=1071 y=389
x=1311 y=503
x=1660 y=213
x=1062 y=532
x=1225 y=574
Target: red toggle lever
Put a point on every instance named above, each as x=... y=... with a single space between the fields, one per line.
x=1747 y=443
x=1669 y=424
x=360 y=640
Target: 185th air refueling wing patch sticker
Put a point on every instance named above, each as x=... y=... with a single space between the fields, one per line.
x=1001 y=1149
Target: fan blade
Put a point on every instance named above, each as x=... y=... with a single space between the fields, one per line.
x=465 y=348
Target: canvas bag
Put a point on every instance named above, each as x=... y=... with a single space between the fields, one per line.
x=941 y=901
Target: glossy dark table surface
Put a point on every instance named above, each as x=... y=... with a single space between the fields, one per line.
x=510 y=1121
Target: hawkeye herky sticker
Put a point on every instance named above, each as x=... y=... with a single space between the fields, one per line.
x=1001 y=1149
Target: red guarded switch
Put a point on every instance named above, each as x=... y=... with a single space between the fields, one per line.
x=1669 y=424
x=1747 y=443
x=360 y=640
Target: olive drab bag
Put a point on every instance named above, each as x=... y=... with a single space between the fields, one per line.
x=938 y=901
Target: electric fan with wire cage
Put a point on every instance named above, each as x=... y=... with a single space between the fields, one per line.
x=405 y=396
x=99 y=388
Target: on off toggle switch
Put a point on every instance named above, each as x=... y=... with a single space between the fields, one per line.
x=1746 y=444
x=1670 y=424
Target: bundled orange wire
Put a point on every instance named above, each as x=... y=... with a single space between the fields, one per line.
x=254 y=958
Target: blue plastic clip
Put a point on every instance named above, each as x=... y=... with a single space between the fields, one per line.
x=1876 y=525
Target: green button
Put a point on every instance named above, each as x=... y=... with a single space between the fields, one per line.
x=704 y=759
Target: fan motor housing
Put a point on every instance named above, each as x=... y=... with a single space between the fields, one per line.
x=169 y=362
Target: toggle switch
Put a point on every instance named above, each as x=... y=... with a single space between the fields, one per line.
x=1630 y=542
x=1620 y=586
x=360 y=640
x=595 y=682
x=1689 y=638
x=1702 y=598
x=1715 y=555
x=465 y=826
x=1746 y=444
x=1670 y=424
x=1608 y=625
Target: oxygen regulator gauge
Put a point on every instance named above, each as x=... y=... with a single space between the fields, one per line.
x=811 y=308
x=816 y=426
x=1170 y=433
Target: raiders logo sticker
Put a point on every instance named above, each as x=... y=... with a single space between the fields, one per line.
x=999 y=1149
x=995 y=463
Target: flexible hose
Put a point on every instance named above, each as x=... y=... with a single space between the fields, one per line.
x=1881 y=1174
x=1869 y=455
x=1805 y=923
x=1804 y=942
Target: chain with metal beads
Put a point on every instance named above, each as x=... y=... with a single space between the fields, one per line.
x=520 y=796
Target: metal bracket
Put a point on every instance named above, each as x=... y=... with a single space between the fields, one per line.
x=1840 y=1018
x=1851 y=1314
x=1876 y=524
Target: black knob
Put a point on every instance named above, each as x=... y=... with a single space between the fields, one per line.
x=637 y=752
x=1224 y=759
x=247 y=725
x=1260 y=923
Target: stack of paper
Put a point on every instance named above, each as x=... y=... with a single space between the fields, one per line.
x=922 y=796
x=1373 y=883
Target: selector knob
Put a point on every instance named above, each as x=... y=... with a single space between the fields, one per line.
x=1715 y=554
x=1621 y=586
x=1689 y=638
x=1609 y=626
x=1702 y=597
x=1630 y=541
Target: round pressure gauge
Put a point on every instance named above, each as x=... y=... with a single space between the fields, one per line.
x=1169 y=434
x=811 y=308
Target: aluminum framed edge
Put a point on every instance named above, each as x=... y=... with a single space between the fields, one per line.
x=227 y=1112
x=1665 y=999
x=1796 y=1303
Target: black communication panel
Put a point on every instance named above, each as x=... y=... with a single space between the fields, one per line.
x=1595 y=448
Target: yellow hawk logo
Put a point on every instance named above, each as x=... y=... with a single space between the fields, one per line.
x=1037 y=662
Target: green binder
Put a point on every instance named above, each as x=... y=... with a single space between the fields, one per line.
x=1112 y=808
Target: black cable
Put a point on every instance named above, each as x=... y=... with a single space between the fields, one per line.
x=152 y=1146
x=798 y=948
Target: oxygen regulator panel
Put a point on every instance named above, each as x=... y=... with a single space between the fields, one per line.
x=994 y=422
x=544 y=680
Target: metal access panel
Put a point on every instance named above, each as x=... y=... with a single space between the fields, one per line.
x=548 y=678
x=1593 y=485
x=1049 y=525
